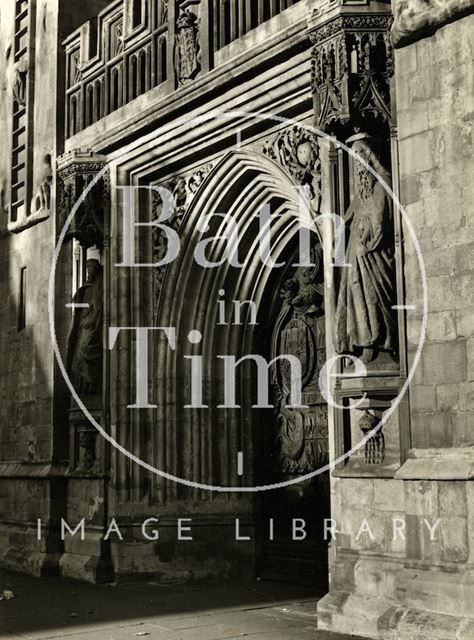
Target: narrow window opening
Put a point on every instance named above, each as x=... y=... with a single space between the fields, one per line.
x=163 y=59
x=136 y=13
x=22 y=301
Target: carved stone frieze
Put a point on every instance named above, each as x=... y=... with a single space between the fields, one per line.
x=414 y=19
x=297 y=151
x=352 y=63
x=76 y=172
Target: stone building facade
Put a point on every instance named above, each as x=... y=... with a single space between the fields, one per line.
x=231 y=105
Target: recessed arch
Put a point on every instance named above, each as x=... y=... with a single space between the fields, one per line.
x=239 y=185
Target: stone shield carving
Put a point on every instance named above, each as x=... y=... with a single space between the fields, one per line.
x=301 y=438
x=186 y=47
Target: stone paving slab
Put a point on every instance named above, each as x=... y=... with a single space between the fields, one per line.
x=50 y=608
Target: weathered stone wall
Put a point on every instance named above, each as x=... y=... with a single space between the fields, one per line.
x=417 y=587
x=27 y=371
x=435 y=98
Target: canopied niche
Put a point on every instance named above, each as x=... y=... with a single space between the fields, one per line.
x=84 y=186
x=352 y=83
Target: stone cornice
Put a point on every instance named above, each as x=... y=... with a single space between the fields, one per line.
x=416 y=19
x=438 y=464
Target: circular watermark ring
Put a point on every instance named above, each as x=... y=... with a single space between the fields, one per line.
x=332 y=464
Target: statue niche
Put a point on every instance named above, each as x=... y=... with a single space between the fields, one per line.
x=84 y=348
x=365 y=323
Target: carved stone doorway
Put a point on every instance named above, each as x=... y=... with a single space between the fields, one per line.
x=294 y=442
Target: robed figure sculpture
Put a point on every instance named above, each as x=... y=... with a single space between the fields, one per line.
x=84 y=349
x=365 y=319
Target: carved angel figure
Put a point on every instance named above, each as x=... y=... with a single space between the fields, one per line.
x=365 y=320
x=307 y=298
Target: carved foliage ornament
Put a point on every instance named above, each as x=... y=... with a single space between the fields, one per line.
x=352 y=62
x=183 y=189
x=297 y=151
x=88 y=223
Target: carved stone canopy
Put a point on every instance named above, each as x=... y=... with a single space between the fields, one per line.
x=76 y=171
x=352 y=63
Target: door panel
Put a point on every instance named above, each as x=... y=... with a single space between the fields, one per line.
x=296 y=442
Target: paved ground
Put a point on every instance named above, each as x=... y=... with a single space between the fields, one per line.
x=58 y=608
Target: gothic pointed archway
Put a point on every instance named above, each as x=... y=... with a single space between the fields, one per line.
x=203 y=445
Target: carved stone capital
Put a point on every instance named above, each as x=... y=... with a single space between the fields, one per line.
x=416 y=19
x=76 y=171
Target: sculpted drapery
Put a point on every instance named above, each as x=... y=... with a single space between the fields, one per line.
x=365 y=320
x=84 y=356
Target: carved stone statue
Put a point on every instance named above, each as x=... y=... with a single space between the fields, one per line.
x=19 y=82
x=84 y=353
x=307 y=298
x=87 y=450
x=186 y=47
x=42 y=198
x=365 y=320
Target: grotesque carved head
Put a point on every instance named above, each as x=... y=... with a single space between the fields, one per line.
x=368 y=422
